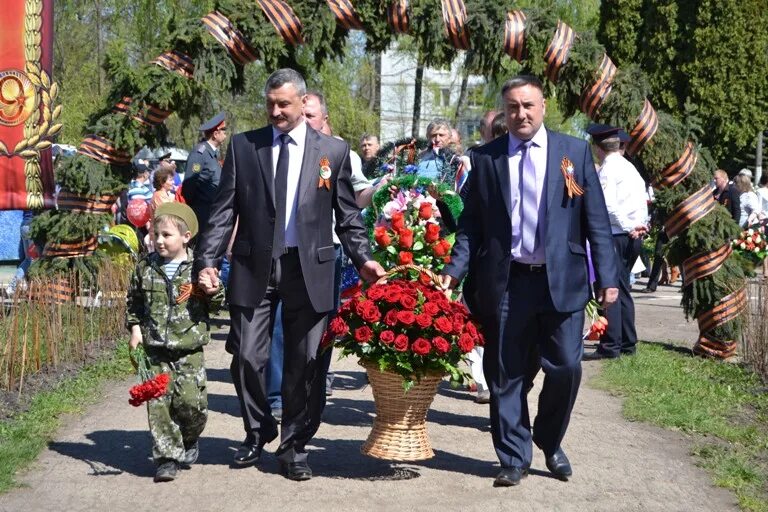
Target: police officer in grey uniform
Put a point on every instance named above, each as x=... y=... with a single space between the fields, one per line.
x=203 y=171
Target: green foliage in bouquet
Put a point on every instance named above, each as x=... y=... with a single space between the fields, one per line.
x=406 y=327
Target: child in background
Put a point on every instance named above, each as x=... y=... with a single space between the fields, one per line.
x=169 y=316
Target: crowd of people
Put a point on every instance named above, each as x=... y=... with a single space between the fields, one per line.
x=543 y=229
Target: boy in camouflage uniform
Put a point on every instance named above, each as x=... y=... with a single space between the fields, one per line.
x=170 y=317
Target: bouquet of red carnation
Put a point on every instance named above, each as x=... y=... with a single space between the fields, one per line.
x=406 y=327
x=150 y=386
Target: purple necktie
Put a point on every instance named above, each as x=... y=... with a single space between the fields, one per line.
x=529 y=208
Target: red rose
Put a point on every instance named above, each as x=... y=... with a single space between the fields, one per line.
x=363 y=334
x=441 y=248
x=480 y=339
x=375 y=292
x=371 y=313
x=421 y=346
x=404 y=258
x=434 y=295
x=387 y=337
x=431 y=308
x=466 y=344
x=471 y=329
x=447 y=259
x=432 y=234
x=406 y=238
x=398 y=221
x=441 y=344
x=408 y=302
x=425 y=210
x=338 y=327
x=401 y=343
x=424 y=320
x=382 y=237
x=424 y=278
x=390 y=318
x=443 y=324
x=360 y=306
x=392 y=295
x=406 y=317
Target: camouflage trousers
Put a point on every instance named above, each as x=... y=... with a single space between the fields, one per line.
x=177 y=418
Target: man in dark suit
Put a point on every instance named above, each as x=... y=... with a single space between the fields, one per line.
x=533 y=199
x=283 y=182
x=727 y=195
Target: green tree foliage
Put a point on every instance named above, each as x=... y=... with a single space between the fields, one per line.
x=706 y=58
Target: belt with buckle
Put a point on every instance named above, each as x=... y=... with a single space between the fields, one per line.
x=528 y=268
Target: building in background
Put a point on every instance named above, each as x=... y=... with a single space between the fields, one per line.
x=440 y=97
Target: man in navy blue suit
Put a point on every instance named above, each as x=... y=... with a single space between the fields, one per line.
x=533 y=200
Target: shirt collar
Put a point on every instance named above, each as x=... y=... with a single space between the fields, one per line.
x=298 y=134
x=539 y=139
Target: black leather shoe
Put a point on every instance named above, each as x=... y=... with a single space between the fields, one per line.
x=250 y=451
x=508 y=477
x=559 y=465
x=596 y=356
x=648 y=290
x=297 y=471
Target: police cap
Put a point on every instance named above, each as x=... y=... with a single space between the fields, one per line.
x=212 y=123
x=180 y=210
x=601 y=132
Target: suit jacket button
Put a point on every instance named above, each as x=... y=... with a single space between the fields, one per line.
x=272 y=220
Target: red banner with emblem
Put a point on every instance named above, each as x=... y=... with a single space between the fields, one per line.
x=28 y=111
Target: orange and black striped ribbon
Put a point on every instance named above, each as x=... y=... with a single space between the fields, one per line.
x=69 y=250
x=644 y=129
x=705 y=264
x=283 y=19
x=345 y=14
x=514 y=35
x=85 y=204
x=177 y=62
x=593 y=97
x=148 y=115
x=397 y=16
x=102 y=150
x=455 y=19
x=676 y=172
x=558 y=50
x=56 y=291
x=692 y=209
x=225 y=32
x=708 y=346
x=726 y=309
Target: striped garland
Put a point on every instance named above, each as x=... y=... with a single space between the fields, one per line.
x=692 y=209
x=70 y=250
x=68 y=201
x=558 y=50
x=727 y=308
x=645 y=128
x=454 y=19
x=514 y=35
x=705 y=264
x=708 y=346
x=103 y=150
x=676 y=172
x=148 y=115
x=283 y=19
x=52 y=291
x=593 y=97
x=176 y=62
x=397 y=16
x=345 y=14
x=225 y=33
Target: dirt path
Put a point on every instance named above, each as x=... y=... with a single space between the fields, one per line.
x=99 y=461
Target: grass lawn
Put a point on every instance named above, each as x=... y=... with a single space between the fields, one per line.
x=24 y=436
x=722 y=406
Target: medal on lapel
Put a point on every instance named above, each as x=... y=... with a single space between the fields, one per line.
x=571 y=187
x=325 y=173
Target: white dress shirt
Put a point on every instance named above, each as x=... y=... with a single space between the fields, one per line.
x=295 y=158
x=538 y=152
x=625 y=194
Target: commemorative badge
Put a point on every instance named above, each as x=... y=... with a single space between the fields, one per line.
x=325 y=173
x=196 y=167
x=571 y=187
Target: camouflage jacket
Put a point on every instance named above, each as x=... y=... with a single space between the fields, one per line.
x=152 y=304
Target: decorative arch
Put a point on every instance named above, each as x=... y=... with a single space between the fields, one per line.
x=578 y=74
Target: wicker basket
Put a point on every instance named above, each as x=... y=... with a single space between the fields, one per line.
x=400 y=426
